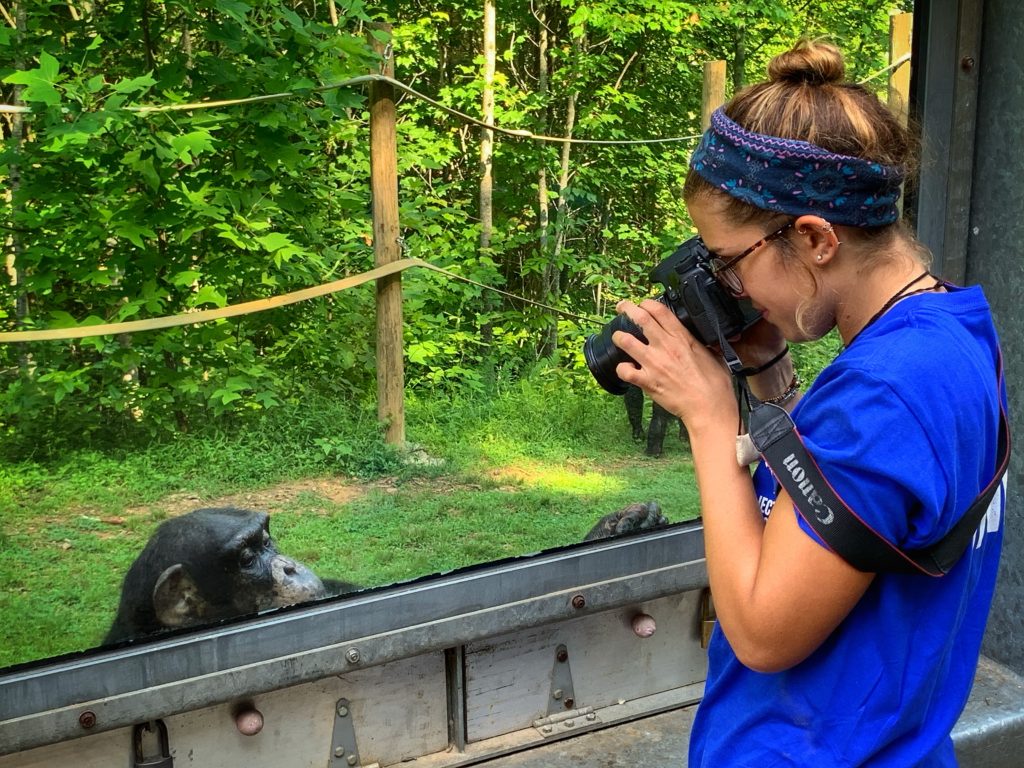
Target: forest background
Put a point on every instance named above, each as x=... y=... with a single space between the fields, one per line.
x=108 y=214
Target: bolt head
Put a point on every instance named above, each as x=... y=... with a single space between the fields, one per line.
x=352 y=655
x=351 y=760
x=87 y=719
x=339 y=751
x=579 y=601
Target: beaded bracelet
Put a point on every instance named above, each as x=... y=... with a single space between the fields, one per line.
x=785 y=397
x=754 y=370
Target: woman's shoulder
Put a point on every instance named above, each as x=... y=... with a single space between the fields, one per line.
x=932 y=343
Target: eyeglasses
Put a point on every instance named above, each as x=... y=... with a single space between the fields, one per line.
x=723 y=271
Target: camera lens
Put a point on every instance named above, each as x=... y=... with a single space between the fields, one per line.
x=602 y=355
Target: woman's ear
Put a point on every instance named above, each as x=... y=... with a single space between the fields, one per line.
x=816 y=237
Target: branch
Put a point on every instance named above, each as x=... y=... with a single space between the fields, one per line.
x=7 y=16
x=622 y=74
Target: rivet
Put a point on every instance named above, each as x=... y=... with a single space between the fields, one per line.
x=557 y=694
x=579 y=601
x=339 y=751
x=342 y=710
x=352 y=760
x=87 y=719
x=569 y=703
x=352 y=655
x=562 y=654
x=967 y=63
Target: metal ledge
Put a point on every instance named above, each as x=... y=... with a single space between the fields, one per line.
x=44 y=703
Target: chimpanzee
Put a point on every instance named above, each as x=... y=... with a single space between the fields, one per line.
x=636 y=517
x=207 y=565
x=660 y=419
x=213 y=564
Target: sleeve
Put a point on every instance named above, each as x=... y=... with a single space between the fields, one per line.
x=877 y=455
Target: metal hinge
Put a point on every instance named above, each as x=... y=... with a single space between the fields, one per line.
x=566 y=721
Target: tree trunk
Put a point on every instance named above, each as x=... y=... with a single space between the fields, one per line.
x=739 y=59
x=487 y=137
x=17 y=127
x=549 y=339
x=486 y=188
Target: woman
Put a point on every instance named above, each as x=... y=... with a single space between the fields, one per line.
x=815 y=663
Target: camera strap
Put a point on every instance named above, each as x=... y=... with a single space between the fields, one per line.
x=776 y=438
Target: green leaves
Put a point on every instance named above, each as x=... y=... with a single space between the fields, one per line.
x=39 y=83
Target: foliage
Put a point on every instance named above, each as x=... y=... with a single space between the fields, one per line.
x=113 y=214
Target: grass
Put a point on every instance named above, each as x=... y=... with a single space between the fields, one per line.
x=527 y=470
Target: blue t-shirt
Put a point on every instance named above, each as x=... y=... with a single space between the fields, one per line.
x=904 y=425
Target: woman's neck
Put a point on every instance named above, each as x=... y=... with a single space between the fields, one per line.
x=867 y=296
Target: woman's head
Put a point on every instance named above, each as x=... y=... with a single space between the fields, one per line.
x=859 y=153
x=807 y=147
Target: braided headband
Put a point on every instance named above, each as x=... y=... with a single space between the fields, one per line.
x=796 y=177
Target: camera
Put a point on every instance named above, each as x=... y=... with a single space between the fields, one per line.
x=693 y=294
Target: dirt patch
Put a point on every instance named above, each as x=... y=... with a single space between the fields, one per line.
x=272 y=499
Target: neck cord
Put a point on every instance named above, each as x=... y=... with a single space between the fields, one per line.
x=900 y=294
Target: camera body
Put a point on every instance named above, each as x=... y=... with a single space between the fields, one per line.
x=693 y=294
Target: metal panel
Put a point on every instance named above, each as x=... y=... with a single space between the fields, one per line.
x=996 y=260
x=393 y=709
x=947 y=49
x=508 y=677
x=47 y=702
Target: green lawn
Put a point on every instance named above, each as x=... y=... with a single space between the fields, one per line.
x=528 y=470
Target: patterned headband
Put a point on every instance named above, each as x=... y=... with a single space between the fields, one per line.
x=796 y=177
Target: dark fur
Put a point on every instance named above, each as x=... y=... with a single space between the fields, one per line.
x=660 y=419
x=208 y=565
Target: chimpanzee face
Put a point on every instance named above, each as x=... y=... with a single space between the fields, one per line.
x=207 y=565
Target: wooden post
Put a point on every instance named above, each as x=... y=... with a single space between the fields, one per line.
x=900 y=30
x=386 y=248
x=713 y=95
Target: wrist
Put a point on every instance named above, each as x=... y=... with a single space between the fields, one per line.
x=783 y=398
x=774 y=381
x=755 y=370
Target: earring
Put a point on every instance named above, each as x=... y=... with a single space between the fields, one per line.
x=821 y=256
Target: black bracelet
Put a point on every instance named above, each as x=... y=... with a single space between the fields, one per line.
x=754 y=370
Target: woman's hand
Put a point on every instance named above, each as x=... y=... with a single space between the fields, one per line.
x=676 y=370
x=760 y=343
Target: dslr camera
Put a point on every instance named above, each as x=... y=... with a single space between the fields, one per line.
x=693 y=294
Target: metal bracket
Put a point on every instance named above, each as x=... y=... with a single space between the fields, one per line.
x=343 y=753
x=563 y=722
x=562 y=697
x=708 y=618
x=161 y=760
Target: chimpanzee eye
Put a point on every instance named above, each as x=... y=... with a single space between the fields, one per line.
x=247 y=558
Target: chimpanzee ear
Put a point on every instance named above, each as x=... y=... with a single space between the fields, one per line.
x=176 y=598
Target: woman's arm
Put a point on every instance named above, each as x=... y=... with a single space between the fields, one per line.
x=778 y=593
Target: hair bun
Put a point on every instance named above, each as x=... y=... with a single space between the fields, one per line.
x=815 y=63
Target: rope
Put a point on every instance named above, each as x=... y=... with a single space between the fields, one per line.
x=514 y=132
x=260 y=305
x=891 y=68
